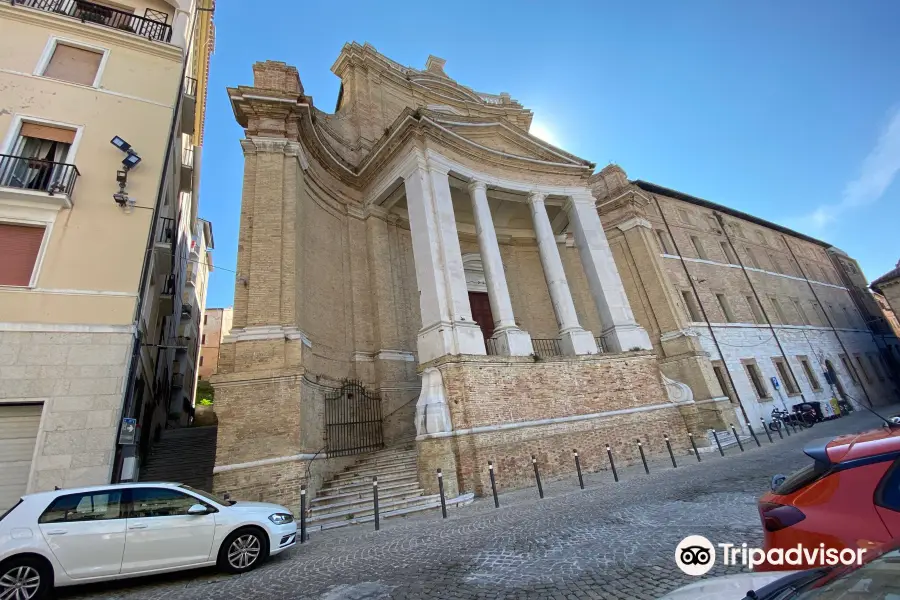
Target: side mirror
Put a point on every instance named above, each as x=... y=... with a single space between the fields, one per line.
x=198 y=509
x=777 y=480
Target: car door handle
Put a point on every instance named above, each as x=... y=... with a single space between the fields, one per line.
x=58 y=532
x=137 y=527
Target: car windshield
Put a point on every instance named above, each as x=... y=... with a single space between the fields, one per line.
x=801 y=478
x=877 y=580
x=206 y=495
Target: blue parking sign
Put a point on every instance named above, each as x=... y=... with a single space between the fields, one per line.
x=775 y=383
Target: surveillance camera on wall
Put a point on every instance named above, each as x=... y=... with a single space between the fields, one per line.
x=122 y=199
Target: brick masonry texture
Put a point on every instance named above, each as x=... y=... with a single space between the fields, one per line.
x=78 y=378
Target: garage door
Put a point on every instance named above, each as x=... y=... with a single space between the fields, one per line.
x=18 y=431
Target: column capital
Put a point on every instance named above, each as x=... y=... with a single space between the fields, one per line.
x=536 y=197
x=585 y=198
x=476 y=185
x=436 y=167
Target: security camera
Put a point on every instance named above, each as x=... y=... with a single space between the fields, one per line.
x=121 y=198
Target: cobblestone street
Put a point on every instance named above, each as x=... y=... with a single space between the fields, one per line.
x=611 y=540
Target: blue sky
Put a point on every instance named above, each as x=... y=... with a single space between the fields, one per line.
x=786 y=110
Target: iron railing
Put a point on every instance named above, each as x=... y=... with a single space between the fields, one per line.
x=546 y=348
x=168 y=288
x=37 y=174
x=186 y=311
x=190 y=86
x=88 y=12
x=601 y=345
x=165 y=233
x=352 y=420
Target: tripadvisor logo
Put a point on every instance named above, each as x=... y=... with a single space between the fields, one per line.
x=695 y=555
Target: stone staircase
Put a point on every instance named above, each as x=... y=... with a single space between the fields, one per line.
x=185 y=455
x=347 y=498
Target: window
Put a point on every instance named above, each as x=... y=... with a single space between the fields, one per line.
x=74 y=64
x=690 y=302
x=779 y=313
x=205 y=319
x=862 y=369
x=804 y=320
x=20 y=246
x=46 y=148
x=726 y=309
x=684 y=216
x=849 y=368
x=203 y=339
x=698 y=247
x=719 y=370
x=87 y=506
x=762 y=238
x=758 y=317
x=810 y=374
x=776 y=263
x=820 y=313
x=756 y=379
x=751 y=259
x=875 y=367
x=665 y=241
x=730 y=257
x=713 y=222
x=784 y=374
x=201 y=360
x=159 y=502
x=847 y=318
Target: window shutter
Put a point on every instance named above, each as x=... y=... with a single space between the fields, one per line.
x=19 y=246
x=48 y=132
x=74 y=64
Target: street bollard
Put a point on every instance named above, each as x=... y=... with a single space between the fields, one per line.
x=578 y=469
x=671 y=454
x=786 y=426
x=643 y=458
x=441 y=490
x=766 y=429
x=537 y=476
x=612 y=463
x=794 y=425
x=303 y=513
x=737 y=437
x=694 y=446
x=781 y=426
x=722 y=452
x=375 y=500
x=753 y=433
x=493 y=484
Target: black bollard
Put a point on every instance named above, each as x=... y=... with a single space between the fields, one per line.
x=578 y=469
x=694 y=446
x=643 y=458
x=753 y=433
x=303 y=513
x=722 y=452
x=441 y=490
x=537 y=476
x=612 y=463
x=781 y=426
x=493 y=484
x=794 y=422
x=375 y=500
x=737 y=437
x=766 y=429
x=786 y=426
x=671 y=454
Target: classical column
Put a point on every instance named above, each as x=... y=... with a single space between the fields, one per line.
x=511 y=341
x=620 y=330
x=573 y=339
x=447 y=324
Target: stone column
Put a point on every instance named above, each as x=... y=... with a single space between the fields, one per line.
x=511 y=341
x=447 y=324
x=620 y=330
x=573 y=339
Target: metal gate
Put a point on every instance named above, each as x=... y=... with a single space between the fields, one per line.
x=352 y=420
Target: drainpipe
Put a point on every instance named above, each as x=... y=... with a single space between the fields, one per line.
x=827 y=318
x=702 y=310
x=761 y=306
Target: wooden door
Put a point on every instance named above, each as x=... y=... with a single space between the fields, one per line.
x=481 y=312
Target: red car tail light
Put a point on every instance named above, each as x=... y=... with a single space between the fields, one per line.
x=778 y=516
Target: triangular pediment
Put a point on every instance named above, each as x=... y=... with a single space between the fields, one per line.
x=505 y=140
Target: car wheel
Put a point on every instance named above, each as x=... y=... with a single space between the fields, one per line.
x=25 y=578
x=243 y=550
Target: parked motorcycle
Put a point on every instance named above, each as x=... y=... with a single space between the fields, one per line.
x=804 y=418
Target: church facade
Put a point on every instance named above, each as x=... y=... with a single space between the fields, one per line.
x=415 y=269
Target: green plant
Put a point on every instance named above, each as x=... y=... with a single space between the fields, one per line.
x=204 y=402
x=206 y=395
x=634 y=349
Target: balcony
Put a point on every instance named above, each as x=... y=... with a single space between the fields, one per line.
x=37 y=180
x=167 y=296
x=88 y=12
x=186 y=311
x=187 y=169
x=188 y=105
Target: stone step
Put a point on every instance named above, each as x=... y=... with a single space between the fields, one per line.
x=325 y=513
x=361 y=482
x=323 y=497
x=389 y=458
x=356 y=472
x=451 y=503
x=362 y=499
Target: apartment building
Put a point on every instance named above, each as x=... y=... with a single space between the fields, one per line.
x=216 y=325
x=886 y=291
x=743 y=310
x=101 y=138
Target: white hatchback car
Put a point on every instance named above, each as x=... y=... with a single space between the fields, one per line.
x=84 y=535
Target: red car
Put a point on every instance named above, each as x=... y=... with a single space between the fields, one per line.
x=848 y=497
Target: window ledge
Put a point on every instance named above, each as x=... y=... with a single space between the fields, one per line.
x=35 y=197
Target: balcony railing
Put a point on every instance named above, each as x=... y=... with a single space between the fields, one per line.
x=88 y=12
x=186 y=311
x=187 y=157
x=36 y=174
x=166 y=231
x=168 y=288
x=546 y=348
x=190 y=86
